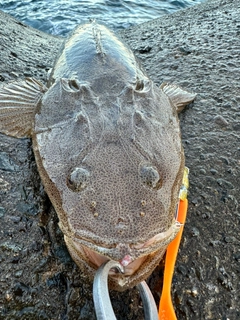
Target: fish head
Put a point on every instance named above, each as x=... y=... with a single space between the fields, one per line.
x=113 y=173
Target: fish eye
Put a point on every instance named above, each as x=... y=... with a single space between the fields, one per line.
x=77 y=179
x=139 y=85
x=150 y=176
x=74 y=85
x=70 y=85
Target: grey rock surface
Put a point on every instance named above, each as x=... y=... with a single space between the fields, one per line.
x=197 y=48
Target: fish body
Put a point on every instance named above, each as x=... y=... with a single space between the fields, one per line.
x=107 y=144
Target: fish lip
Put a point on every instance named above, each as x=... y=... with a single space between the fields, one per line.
x=95 y=259
x=130 y=256
x=136 y=250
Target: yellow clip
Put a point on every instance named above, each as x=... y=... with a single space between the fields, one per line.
x=185 y=185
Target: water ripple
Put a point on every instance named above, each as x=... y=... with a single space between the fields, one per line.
x=60 y=16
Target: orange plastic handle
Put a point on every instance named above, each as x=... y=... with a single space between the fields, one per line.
x=166 y=310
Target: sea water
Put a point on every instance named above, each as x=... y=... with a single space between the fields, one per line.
x=59 y=17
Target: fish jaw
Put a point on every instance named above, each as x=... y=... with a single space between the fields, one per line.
x=117 y=281
x=138 y=260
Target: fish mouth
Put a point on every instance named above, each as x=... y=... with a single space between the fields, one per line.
x=136 y=271
x=96 y=259
x=131 y=256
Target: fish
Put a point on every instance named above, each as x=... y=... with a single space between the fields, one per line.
x=107 y=144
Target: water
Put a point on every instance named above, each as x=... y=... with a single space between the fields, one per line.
x=58 y=17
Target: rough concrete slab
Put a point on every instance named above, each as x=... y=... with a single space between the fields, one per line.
x=197 y=48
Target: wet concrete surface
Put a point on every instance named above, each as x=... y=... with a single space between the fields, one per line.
x=197 y=48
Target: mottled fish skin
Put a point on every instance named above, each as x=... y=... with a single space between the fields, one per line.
x=108 y=149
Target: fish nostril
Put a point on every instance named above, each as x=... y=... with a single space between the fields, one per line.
x=77 y=179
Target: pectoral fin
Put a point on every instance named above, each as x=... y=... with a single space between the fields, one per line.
x=18 y=101
x=178 y=96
